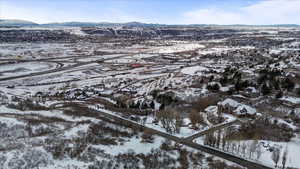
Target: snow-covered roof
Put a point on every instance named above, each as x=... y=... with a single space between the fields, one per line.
x=229 y=102
x=239 y=107
x=211 y=109
x=248 y=110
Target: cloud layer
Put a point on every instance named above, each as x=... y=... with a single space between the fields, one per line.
x=252 y=12
x=261 y=13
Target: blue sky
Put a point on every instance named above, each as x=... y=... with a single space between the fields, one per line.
x=155 y=11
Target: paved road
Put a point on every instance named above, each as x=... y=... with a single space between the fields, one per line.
x=238 y=160
x=191 y=138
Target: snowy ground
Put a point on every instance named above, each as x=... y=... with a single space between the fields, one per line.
x=293 y=149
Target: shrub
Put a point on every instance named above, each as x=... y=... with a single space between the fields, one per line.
x=213 y=87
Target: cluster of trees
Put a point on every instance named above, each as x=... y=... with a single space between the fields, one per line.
x=213 y=87
x=26 y=104
x=273 y=80
x=264 y=129
x=220 y=141
x=196 y=118
x=252 y=150
x=269 y=80
x=170 y=120
x=276 y=156
x=165 y=99
x=232 y=75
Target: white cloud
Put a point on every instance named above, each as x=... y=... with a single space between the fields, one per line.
x=263 y=12
x=45 y=14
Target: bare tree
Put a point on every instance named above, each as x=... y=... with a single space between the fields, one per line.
x=218 y=139
x=276 y=156
x=144 y=120
x=170 y=119
x=223 y=140
x=252 y=148
x=196 y=118
x=228 y=146
x=244 y=147
x=238 y=147
x=233 y=147
x=284 y=157
x=258 y=151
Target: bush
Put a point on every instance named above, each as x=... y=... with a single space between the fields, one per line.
x=279 y=95
x=298 y=91
x=288 y=84
x=265 y=90
x=147 y=138
x=213 y=87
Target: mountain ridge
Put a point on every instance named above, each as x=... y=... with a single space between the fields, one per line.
x=20 y=23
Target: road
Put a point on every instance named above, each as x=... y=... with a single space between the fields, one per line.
x=60 y=69
x=191 y=138
x=187 y=142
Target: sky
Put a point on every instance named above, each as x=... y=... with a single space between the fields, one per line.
x=252 y=12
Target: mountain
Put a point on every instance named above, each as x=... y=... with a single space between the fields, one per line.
x=72 y=24
x=20 y=23
x=86 y=24
x=14 y=22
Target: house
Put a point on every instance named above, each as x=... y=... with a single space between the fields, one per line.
x=233 y=107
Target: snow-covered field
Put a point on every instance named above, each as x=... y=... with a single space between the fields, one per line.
x=8 y=70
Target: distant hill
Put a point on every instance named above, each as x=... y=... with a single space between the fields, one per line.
x=81 y=24
x=75 y=24
x=20 y=23
x=13 y=22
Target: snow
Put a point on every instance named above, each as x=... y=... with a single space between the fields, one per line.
x=242 y=107
x=212 y=109
x=24 y=68
x=194 y=70
x=10 y=121
x=293 y=151
x=229 y=102
x=73 y=132
x=177 y=48
x=53 y=113
x=295 y=100
x=134 y=144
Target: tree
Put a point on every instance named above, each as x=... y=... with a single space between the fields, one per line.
x=265 y=89
x=298 y=91
x=233 y=147
x=170 y=119
x=196 y=118
x=275 y=156
x=252 y=148
x=223 y=140
x=244 y=147
x=288 y=84
x=284 y=157
x=213 y=87
x=279 y=95
x=218 y=139
x=258 y=152
x=238 y=147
